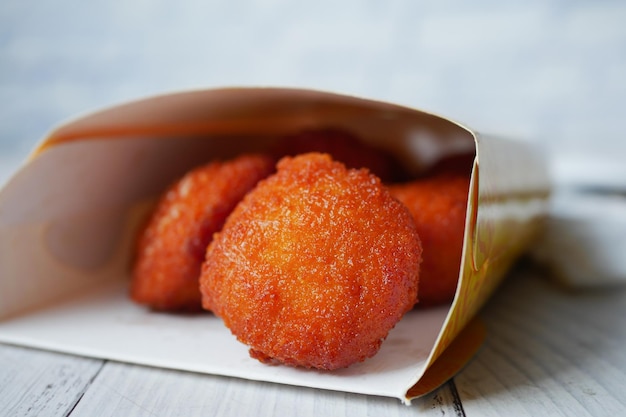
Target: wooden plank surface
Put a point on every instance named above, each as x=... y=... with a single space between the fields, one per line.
x=132 y=390
x=550 y=351
x=40 y=383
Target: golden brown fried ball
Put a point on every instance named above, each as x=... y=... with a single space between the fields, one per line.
x=172 y=246
x=314 y=266
x=438 y=205
x=344 y=147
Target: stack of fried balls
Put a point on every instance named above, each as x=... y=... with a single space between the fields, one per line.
x=310 y=253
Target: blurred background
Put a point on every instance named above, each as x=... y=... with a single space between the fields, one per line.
x=548 y=71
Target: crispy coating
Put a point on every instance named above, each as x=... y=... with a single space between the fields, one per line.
x=342 y=146
x=172 y=246
x=314 y=266
x=438 y=205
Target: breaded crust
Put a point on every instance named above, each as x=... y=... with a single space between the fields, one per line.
x=344 y=147
x=438 y=205
x=314 y=266
x=171 y=248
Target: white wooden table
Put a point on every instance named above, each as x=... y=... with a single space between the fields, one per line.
x=549 y=352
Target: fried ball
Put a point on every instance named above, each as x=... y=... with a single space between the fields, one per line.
x=314 y=266
x=172 y=246
x=438 y=205
x=344 y=147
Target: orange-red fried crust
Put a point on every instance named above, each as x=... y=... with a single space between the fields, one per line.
x=172 y=246
x=344 y=147
x=438 y=205
x=314 y=266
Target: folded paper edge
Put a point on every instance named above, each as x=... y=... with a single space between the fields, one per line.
x=456 y=356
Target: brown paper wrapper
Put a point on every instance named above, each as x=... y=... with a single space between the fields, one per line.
x=67 y=219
